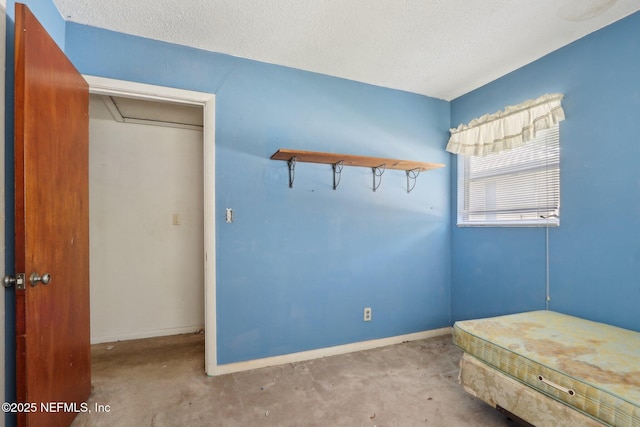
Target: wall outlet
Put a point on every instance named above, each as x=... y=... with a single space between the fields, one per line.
x=367 y=314
x=177 y=220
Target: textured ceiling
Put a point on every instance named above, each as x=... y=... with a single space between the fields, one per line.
x=439 y=48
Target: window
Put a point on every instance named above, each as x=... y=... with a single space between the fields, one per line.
x=519 y=187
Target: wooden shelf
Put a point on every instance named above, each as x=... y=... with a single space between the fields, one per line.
x=337 y=161
x=351 y=160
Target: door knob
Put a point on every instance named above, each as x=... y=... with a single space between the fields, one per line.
x=9 y=281
x=17 y=280
x=35 y=278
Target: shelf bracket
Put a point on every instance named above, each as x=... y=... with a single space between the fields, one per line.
x=412 y=175
x=377 y=172
x=292 y=170
x=337 y=173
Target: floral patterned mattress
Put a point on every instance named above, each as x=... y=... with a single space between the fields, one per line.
x=590 y=366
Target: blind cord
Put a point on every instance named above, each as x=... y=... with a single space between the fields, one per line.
x=548 y=296
x=546 y=250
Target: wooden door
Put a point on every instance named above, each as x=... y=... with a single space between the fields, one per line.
x=51 y=228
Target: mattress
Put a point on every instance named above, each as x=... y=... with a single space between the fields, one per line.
x=590 y=366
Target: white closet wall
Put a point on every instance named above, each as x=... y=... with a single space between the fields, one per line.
x=146 y=217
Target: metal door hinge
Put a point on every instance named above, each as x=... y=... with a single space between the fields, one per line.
x=17 y=280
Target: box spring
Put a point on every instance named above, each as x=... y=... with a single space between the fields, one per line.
x=589 y=366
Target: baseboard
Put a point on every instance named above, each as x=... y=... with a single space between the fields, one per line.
x=325 y=352
x=147 y=334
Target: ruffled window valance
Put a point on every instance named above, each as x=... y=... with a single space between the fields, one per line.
x=508 y=129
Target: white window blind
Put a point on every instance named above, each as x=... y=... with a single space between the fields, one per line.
x=519 y=187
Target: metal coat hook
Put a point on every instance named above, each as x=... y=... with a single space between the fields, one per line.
x=412 y=175
x=337 y=172
x=377 y=172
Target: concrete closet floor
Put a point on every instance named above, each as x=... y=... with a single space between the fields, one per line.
x=160 y=382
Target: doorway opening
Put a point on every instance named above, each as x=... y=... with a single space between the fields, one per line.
x=152 y=213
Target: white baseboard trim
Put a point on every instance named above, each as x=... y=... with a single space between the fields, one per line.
x=147 y=334
x=325 y=352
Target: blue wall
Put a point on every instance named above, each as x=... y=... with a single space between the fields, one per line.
x=297 y=266
x=595 y=253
